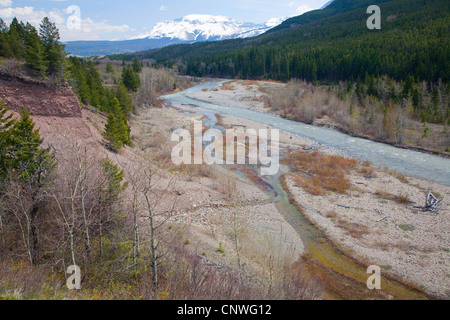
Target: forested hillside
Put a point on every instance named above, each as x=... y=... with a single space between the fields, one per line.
x=330 y=45
x=42 y=52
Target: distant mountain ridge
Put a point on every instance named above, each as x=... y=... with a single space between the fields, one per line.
x=330 y=44
x=197 y=27
x=189 y=29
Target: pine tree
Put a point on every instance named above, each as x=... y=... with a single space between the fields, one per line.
x=16 y=39
x=6 y=123
x=110 y=197
x=114 y=181
x=34 y=52
x=5 y=48
x=26 y=140
x=124 y=98
x=130 y=79
x=109 y=68
x=111 y=134
x=137 y=67
x=123 y=130
x=54 y=54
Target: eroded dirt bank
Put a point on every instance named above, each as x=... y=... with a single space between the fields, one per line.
x=40 y=99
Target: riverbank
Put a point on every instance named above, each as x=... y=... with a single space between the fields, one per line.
x=375 y=222
x=373 y=228
x=253 y=95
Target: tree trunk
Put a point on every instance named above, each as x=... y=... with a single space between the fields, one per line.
x=86 y=228
x=136 y=244
x=153 y=247
x=100 y=237
x=34 y=235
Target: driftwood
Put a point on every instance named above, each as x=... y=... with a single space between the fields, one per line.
x=385 y=218
x=432 y=204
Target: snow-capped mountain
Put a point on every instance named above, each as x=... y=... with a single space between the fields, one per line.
x=196 y=27
x=189 y=29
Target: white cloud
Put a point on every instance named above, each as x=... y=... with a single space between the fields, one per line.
x=90 y=29
x=5 y=3
x=303 y=9
x=30 y=15
x=163 y=8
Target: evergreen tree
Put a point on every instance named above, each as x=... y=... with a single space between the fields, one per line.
x=81 y=86
x=54 y=54
x=109 y=67
x=16 y=39
x=6 y=123
x=5 y=48
x=20 y=147
x=130 y=79
x=137 y=67
x=114 y=181
x=26 y=141
x=110 y=194
x=111 y=134
x=34 y=53
x=124 y=98
x=123 y=130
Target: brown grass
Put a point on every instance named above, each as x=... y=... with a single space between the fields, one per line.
x=311 y=185
x=399 y=176
x=367 y=171
x=229 y=85
x=402 y=199
x=257 y=98
x=322 y=172
x=353 y=229
x=331 y=214
x=249 y=82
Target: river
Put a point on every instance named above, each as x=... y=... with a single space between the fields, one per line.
x=409 y=162
x=345 y=278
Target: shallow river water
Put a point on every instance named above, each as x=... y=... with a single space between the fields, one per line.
x=409 y=162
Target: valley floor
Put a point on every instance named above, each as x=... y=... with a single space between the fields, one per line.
x=217 y=205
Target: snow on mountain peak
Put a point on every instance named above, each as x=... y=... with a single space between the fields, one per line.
x=204 y=18
x=199 y=27
x=275 y=22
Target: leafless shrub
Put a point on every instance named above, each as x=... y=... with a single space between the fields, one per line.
x=226 y=185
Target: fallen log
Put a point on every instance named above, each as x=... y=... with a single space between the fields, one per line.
x=432 y=204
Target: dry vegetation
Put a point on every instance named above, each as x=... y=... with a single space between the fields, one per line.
x=155 y=81
x=117 y=259
x=229 y=86
x=320 y=173
x=402 y=199
x=360 y=114
x=376 y=222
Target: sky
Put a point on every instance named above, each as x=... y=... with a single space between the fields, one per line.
x=124 y=19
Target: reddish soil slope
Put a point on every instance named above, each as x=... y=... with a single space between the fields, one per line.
x=39 y=98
